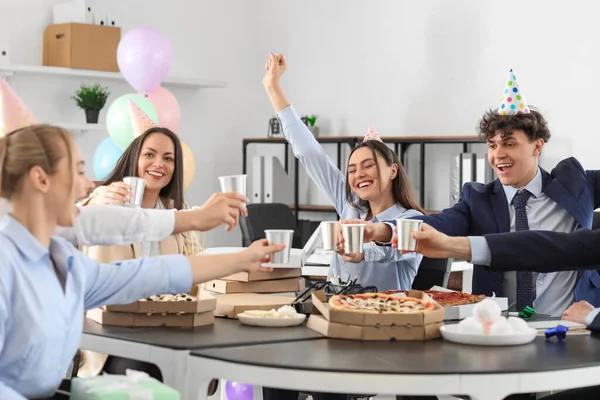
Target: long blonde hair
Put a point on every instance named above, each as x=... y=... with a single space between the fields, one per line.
x=33 y=146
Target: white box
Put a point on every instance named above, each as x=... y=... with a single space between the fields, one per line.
x=78 y=11
x=461 y=312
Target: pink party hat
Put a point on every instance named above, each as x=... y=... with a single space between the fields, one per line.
x=140 y=121
x=372 y=135
x=513 y=102
x=13 y=113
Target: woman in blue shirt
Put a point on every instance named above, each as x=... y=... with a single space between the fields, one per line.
x=375 y=188
x=46 y=284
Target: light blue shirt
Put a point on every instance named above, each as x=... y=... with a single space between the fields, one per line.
x=382 y=266
x=41 y=324
x=555 y=291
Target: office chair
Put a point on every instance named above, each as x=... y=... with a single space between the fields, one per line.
x=432 y=272
x=263 y=216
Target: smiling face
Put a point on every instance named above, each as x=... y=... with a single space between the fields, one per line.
x=365 y=179
x=156 y=161
x=514 y=157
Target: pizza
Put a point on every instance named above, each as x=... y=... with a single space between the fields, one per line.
x=445 y=299
x=379 y=303
x=170 y=297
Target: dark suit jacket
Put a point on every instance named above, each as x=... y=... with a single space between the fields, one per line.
x=483 y=209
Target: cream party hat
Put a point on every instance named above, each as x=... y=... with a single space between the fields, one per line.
x=513 y=102
x=140 y=121
x=13 y=112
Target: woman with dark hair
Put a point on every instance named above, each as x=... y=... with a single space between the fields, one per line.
x=155 y=156
x=375 y=188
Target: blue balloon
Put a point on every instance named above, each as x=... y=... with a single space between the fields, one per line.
x=105 y=158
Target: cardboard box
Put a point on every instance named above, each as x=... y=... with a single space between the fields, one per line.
x=275 y=286
x=203 y=302
x=461 y=312
x=278 y=273
x=72 y=11
x=230 y=305
x=105 y=317
x=82 y=46
x=362 y=326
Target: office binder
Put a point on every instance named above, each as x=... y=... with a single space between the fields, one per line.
x=256 y=179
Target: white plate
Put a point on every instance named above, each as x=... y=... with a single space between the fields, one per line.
x=452 y=334
x=271 y=322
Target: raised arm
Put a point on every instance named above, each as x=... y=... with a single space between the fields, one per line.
x=319 y=166
x=115 y=225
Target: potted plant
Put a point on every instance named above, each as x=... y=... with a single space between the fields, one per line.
x=309 y=121
x=91 y=99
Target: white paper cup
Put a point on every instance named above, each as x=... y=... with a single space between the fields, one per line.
x=233 y=183
x=405 y=228
x=354 y=235
x=330 y=235
x=280 y=236
x=137 y=186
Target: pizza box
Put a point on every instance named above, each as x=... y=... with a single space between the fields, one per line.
x=230 y=305
x=464 y=311
x=201 y=302
x=361 y=326
x=274 y=286
x=279 y=273
x=105 y=317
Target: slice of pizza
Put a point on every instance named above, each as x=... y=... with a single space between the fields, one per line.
x=454 y=298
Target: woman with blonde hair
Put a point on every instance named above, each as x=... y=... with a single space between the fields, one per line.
x=46 y=284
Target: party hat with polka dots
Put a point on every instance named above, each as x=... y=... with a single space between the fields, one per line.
x=513 y=102
x=140 y=121
x=372 y=135
x=13 y=113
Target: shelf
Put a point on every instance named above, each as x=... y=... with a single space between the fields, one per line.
x=82 y=128
x=20 y=69
x=441 y=139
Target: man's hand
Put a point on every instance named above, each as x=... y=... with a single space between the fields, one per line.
x=434 y=244
x=578 y=312
x=220 y=208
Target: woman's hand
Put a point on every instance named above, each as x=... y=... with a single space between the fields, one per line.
x=116 y=193
x=274 y=68
x=258 y=253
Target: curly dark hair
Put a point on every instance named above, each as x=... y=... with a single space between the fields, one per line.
x=533 y=124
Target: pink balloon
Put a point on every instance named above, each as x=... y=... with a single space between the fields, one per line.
x=144 y=58
x=169 y=114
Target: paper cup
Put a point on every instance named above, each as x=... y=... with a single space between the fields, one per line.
x=405 y=228
x=280 y=236
x=354 y=235
x=137 y=186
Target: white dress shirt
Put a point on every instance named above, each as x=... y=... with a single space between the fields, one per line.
x=106 y=225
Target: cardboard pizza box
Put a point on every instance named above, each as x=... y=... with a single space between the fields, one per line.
x=276 y=286
x=201 y=302
x=362 y=326
x=464 y=311
x=105 y=317
x=277 y=273
x=230 y=305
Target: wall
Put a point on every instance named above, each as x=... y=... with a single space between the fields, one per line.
x=408 y=68
x=212 y=40
x=432 y=68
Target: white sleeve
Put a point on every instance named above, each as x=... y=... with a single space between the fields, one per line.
x=114 y=225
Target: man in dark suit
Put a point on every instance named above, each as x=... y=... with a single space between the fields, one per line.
x=538 y=251
x=524 y=197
